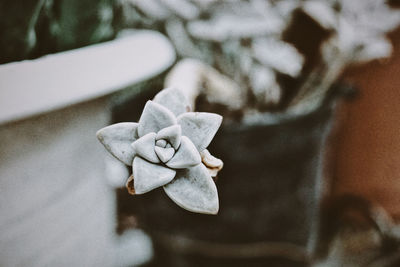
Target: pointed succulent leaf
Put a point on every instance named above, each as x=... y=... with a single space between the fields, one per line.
x=184 y=45
x=182 y=8
x=148 y=176
x=144 y=147
x=161 y=143
x=211 y=161
x=172 y=134
x=226 y=26
x=164 y=153
x=193 y=189
x=373 y=47
x=117 y=139
x=278 y=55
x=154 y=118
x=174 y=100
x=322 y=12
x=213 y=164
x=152 y=9
x=200 y=127
x=186 y=156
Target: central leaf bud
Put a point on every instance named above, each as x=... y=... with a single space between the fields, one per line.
x=167 y=142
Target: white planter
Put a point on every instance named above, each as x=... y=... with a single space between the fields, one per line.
x=55 y=206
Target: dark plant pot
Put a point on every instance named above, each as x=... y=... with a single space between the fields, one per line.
x=269 y=192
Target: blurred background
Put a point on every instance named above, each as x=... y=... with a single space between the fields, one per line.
x=310 y=139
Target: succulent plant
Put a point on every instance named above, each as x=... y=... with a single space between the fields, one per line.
x=239 y=39
x=250 y=43
x=359 y=27
x=167 y=148
x=358 y=34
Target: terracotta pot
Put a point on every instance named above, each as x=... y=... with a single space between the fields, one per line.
x=368 y=157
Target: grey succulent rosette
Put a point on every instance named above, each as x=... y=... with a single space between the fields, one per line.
x=167 y=148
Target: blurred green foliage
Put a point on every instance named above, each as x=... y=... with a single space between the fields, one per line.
x=33 y=28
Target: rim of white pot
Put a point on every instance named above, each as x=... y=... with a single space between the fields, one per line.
x=33 y=87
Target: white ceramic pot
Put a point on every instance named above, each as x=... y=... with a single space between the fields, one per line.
x=56 y=208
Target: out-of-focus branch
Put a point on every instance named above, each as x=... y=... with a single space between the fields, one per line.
x=194 y=78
